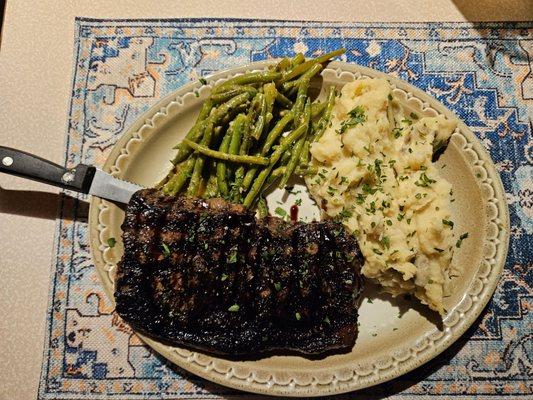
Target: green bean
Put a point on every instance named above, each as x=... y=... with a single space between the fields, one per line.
x=238 y=126
x=297 y=59
x=233 y=113
x=304 y=155
x=207 y=106
x=248 y=78
x=232 y=91
x=266 y=107
x=278 y=172
x=174 y=185
x=283 y=101
x=196 y=177
x=301 y=98
x=270 y=96
x=323 y=122
x=276 y=132
x=261 y=118
x=285 y=157
x=274 y=158
x=195 y=133
x=289 y=85
x=221 y=165
x=211 y=188
x=317 y=108
x=237 y=158
x=283 y=64
x=236 y=190
x=271 y=138
x=303 y=67
x=205 y=111
x=252 y=114
x=295 y=157
x=262 y=208
x=226 y=107
x=215 y=117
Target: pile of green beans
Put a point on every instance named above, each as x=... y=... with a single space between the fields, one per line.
x=254 y=130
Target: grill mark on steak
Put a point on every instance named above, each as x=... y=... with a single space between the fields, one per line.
x=297 y=285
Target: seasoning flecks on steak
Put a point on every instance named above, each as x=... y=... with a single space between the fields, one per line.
x=208 y=275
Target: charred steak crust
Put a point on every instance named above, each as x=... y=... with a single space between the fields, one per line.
x=207 y=275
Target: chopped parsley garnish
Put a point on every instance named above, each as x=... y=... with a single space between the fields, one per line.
x=369 y=301
x=407 y=121
x=460 y=240
x=232 y=257
x=298 y=316
x=298 y=202
x=424 y=180
x=388 y=222
x=343 y=180
x=223 y=277
x=357 y=116
x=234 y=308
x=360 y=198
x=397 y=132
x=111 y=242
x=368 y=189
x=447 y=222
x=400 y=217
x=281 y=212
x=203 y=81
x=390 y=96
x=277 y=286
x=385 y=242
x=345 y=214
x=326 y=320
x=418 y=196
x=377 y=251
x=439 y=250
x=413 y=115
x=166 y=249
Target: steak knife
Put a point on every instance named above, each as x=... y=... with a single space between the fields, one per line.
x=82 y=178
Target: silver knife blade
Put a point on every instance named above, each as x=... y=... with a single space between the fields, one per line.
x=108 y=187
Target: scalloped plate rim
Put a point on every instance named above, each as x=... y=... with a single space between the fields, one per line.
x=330 y=388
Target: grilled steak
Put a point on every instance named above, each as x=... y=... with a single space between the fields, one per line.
x=207 y=275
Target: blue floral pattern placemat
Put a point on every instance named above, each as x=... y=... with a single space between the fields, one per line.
x=483 y=72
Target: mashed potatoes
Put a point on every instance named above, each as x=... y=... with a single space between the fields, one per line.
x=375 y=174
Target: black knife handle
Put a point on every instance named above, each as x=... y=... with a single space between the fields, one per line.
x=26 y=165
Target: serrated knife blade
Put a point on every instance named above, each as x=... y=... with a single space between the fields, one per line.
x=108 y=187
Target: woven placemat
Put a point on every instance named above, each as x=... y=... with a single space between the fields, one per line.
x=483 y=72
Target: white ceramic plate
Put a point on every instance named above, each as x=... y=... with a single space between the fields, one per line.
x=395 y=336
